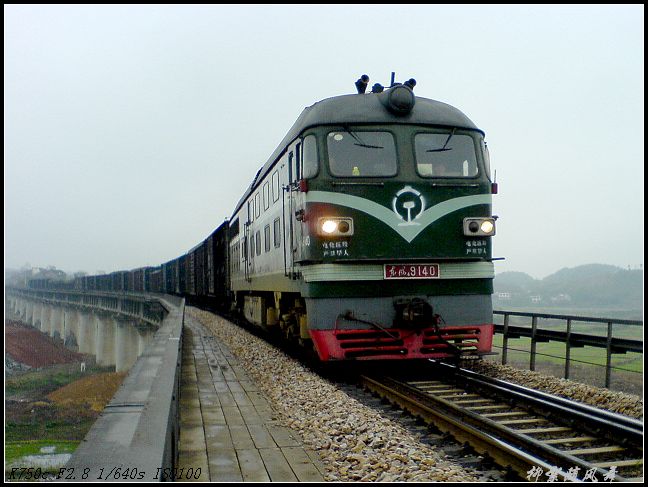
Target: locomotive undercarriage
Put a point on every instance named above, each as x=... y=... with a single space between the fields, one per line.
x=277 y=312
x=403 y=327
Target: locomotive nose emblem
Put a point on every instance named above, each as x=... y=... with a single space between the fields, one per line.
x=408 y=204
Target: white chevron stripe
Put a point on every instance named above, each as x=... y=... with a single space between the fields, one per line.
x=408 y=232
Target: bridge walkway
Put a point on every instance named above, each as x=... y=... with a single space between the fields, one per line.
x=227 y=427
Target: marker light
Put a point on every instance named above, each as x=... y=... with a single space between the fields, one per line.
x=335 y=227
x=479 y=227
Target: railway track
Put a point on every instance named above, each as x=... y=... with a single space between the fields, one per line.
x=536 y=435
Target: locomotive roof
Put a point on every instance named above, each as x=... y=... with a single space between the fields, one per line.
x=363 y=109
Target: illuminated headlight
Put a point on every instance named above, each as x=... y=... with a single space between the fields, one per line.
x=487 y=227
x=479 y=227
x=335 y=227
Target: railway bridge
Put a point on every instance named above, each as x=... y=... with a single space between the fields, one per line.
x=186 y=410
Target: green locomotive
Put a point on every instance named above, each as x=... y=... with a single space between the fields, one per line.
x=368 y=231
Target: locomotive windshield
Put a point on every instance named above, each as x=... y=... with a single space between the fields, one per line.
x=361 y=153
x=445 y=155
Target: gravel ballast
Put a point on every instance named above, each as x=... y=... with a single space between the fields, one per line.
x=618 y=402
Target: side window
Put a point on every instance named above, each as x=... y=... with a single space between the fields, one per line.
x=277 y=232
x=251 y=210
x=290 y=167
x=486 y=155
x=266 y=195
x=257 y=242
x=257 y=205
x=309 y=157
x=298 y=162
x=266 y=237
x=275 y=186
x=252 y=247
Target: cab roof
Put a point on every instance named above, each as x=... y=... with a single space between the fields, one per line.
x=363 y=109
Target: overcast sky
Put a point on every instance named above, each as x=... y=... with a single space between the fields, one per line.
x=132 y=131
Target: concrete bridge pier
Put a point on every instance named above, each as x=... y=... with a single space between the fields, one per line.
x=44 y=318
x=16 y=306
x=56 y=322
x=87 y=333
x=20 y=308
x=105 y=339
x=71 y=331
x=126 y=344
x=29 y=311
x=36 y=315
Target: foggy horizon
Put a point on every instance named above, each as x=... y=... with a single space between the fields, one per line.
x=131 y=132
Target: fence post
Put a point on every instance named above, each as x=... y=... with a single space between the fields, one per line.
x=608 y=362
x=534 y=326
x=505 y=340
x=567 y=348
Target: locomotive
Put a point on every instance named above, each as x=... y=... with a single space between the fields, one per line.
x=367 y=234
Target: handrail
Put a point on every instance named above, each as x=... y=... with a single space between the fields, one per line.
x=612 y=345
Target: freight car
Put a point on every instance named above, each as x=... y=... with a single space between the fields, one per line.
x=366 y=235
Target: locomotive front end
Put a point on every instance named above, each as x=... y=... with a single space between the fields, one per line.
x=395 y=229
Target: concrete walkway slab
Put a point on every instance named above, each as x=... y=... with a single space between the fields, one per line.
x=227 y=427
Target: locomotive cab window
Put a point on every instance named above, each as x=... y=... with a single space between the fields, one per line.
x=355 y=153
x=445 y=155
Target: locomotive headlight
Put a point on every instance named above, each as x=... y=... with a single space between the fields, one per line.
x=479 y=227
x=329 y=226
x=487 y=227
x=335 y=227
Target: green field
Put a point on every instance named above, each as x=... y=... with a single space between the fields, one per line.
x=15 y=450
x=587 y=364
x=554 y=352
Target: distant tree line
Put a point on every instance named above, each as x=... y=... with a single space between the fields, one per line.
x=595 y=285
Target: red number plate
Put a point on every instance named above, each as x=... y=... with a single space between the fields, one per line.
x=411 y=271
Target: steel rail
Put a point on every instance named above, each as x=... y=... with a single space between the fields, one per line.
x=517 y=451
x=616 y=427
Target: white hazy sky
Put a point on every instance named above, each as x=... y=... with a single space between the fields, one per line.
x=132 y=131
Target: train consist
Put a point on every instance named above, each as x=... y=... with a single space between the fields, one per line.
x=366 y=235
